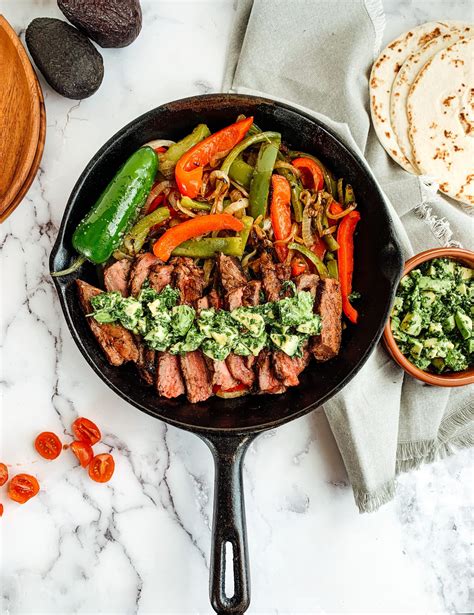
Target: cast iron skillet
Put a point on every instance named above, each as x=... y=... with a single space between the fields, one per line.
x=228 y=426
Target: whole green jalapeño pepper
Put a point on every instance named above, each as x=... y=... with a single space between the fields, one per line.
x=102 y=230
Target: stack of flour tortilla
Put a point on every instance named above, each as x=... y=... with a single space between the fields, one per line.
x=422 y=104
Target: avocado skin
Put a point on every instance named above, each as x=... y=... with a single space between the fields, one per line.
x=110 y=23
x=68 y=60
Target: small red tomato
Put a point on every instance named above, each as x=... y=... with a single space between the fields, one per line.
x=83 y=452
x=101 y=468
x=3 y=474
x=1 y=510
x=22 y=487
x=86 y=431
x=48 y=445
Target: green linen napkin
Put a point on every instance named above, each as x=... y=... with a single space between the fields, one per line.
x=317 y=54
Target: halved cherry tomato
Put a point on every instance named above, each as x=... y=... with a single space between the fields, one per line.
x=189 y=168
x=1 y=510
x=280 y=213
x=318 y=247
x=48 y=445
x=86 y=431
x=101 y=468
x=311 y=173
x=298 y=266
x=22 y=487
x=3 y=474
x=83 y=452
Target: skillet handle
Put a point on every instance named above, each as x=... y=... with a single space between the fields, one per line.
x=228 y=524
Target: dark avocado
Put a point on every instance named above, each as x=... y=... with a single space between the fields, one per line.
x=110 y=23
x=68 y=60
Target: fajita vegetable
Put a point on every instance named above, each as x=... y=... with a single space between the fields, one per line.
x=231 y=272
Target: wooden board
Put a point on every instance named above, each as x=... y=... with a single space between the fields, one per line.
x=36 y=161
x=20 y=118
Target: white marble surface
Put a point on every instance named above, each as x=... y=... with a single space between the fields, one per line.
x=141 y=543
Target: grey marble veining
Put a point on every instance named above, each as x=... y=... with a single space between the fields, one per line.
x=141 y=543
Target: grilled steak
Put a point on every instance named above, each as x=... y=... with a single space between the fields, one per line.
x=188 y=279
x=308 y=282
x=270 y=280
x=169 y=381
x=240 y=369
x=267 y=380
x=140 y=270
x=146 y=362
x=196 y=376
x=230 y=272
x=116 y=276
x=283 y=272
x=116 y=342
x=221 y=375
x=160 y=276
x=329 y=307
x=251 y=294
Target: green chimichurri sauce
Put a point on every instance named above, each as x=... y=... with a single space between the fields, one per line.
x=432 y=317
x=166 y=326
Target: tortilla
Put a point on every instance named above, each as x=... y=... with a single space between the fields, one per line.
x=384 y=71
x=440 y=109
x=407 y=75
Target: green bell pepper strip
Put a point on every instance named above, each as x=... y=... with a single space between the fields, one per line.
x=340 y=191
x=296 y=188
x=262 y=174
x=328 y=182
x=259 y=137
x=241 y=172
x=331 y=243
x=349 y=198
x=332 y=269
x=317 y=262
x=136 y=237
x=101 y=231
x=207 y=247
x=169 y=158
x=195 y=205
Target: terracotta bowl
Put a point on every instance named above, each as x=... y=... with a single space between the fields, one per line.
x=451 y=379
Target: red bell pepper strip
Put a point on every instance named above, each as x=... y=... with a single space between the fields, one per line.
x=189 y=168
x=345 y=261
x=280 y=213
x=310 y=169
x=196 y=227
x=318 y=247
x=298 y=266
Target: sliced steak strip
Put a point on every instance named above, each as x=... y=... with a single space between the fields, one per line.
x=188 y=278
x=308 y=282
x=140 y=270
x=240 y=369
x=270 y=280
x=288 y=368
x=221 y=375
x=329 y=307
x=146 y=363
x=251 y=294
x=116 y=276
x=267 y=380
x=160 y=276
x=196 y=376
x=230 y=272
x=169 y=381
x=116 y=342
